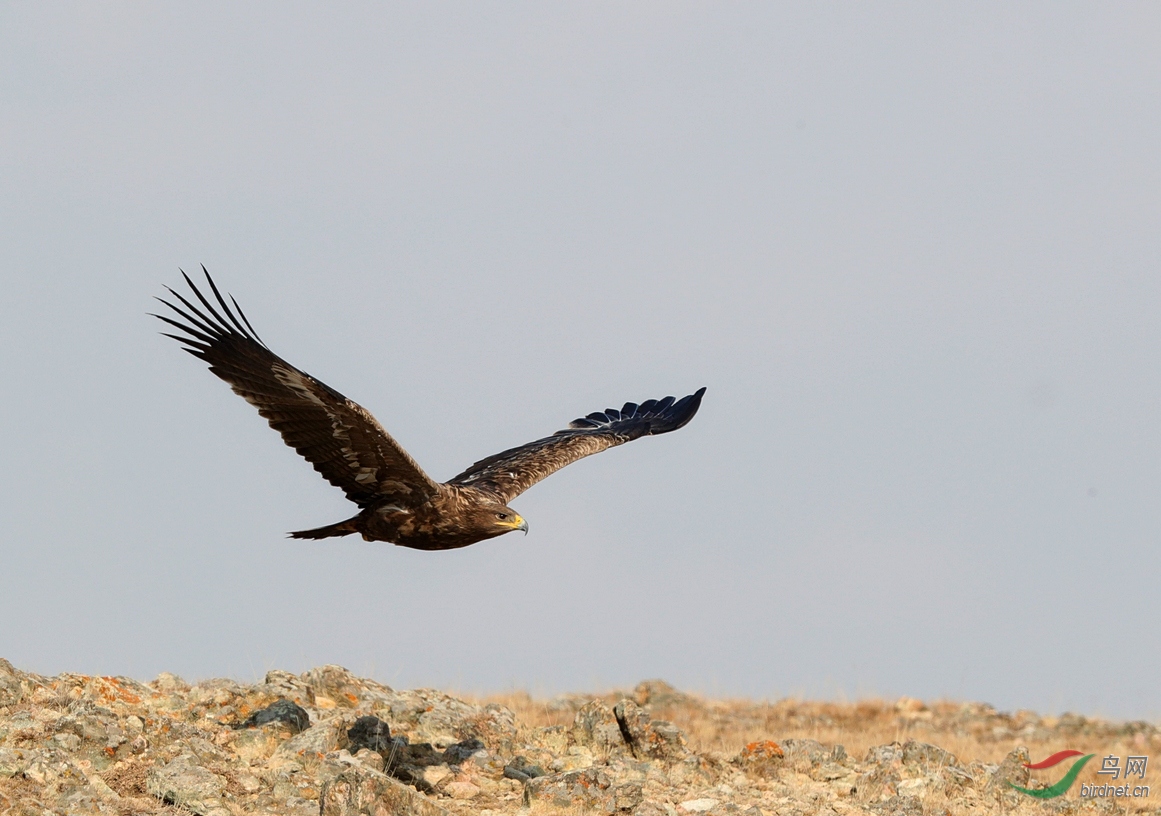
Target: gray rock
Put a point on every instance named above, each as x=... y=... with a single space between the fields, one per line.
x=183 y=782
x=806 y=751
x=407 y=707
x=336 y=687
x=693 y=771
x=521 y=770
x=885 y=754
x=1011 y=772
x=761 y=758
x=657 y=739
x=446 y=722
x=88 y=745
x=587 y=788
x=280 y=711
x=595 y=726
x=461 y=751
x=11 y=689
x=953 y=774
x=372 y=759
x=922 y=753
x=652 y=808
x=658 y=693
x=13 y=761
x=627 y=796
x=170 y=684
x=494 y=725
x=255 y=745
x=409 y=763
x=371 y=733
x=568 y=702
x=88 y=727
x=52 y=766
x=284 y=685
x=286 y=680
x=67 y=740
x=830 y=771
x=876 y=781
x=365 y=792
x=899 y=806
x=87 y=799
x=320 y=739
x=553 y=738
x=109 y=691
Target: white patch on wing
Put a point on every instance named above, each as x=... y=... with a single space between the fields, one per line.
x=395 y=486
x=392 y=508
x=298 y=383
x=295 y=381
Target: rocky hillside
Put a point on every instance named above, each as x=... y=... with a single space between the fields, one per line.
x=328 y=742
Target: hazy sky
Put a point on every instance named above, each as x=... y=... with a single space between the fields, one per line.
x=911 y=249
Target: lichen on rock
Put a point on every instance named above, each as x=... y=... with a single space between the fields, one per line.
x=328 y=742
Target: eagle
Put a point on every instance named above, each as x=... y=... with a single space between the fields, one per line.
x=398 y=502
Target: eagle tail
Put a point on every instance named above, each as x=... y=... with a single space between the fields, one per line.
x=330 y=531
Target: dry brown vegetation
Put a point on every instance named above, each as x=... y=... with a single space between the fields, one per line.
x=75 y=744
x=973 y=732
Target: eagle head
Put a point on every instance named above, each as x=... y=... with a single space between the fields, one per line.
x=503 y=519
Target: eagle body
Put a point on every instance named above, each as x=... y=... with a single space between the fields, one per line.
x=455 y=517
x=397 y=501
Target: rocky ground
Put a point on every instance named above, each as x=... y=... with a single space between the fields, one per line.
x=327 y=742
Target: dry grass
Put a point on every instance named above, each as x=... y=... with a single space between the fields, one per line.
x=725 y=727
x=546 y=809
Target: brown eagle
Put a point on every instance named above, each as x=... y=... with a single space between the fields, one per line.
x=397 y=501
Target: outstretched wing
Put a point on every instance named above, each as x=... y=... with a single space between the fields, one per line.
x=339 y=437
x=510 y=473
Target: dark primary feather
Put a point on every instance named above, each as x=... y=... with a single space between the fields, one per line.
x=399 y=502
x=510 y=473
x=339 y=437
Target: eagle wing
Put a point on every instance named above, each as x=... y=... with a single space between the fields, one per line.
x=511 y=472
x=336 y=435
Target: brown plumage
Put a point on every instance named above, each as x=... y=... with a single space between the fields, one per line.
x=398 y=502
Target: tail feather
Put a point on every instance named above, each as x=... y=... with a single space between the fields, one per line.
x=330 y=531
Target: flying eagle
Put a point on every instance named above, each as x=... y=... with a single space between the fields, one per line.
x=397 y=501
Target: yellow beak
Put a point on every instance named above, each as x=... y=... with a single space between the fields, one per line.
x=518 y=523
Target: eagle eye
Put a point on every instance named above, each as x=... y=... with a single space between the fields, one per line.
x=502 y=515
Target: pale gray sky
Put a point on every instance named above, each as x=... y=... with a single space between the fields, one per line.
x=911 y=249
